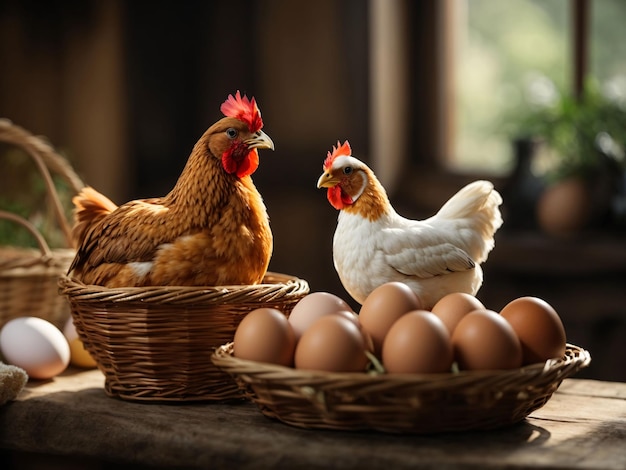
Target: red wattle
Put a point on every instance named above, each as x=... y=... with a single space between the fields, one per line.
x=240 y=161
x=249 y=164
x=337 y=198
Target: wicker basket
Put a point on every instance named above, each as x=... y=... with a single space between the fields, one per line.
x=155 y=343
x=28 y=277
x=400 y=403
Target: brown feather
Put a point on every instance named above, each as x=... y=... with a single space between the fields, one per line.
x=373 y=202
x=90 y=207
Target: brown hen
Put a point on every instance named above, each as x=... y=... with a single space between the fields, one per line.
x=211 y=229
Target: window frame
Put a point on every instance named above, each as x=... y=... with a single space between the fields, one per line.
x=425 y=179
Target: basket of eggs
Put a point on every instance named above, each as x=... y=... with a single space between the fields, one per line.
x=398 y=368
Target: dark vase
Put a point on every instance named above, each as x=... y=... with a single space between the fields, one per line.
x=523 y=187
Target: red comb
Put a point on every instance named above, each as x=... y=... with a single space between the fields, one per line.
x=337 y=151
x=243 y=109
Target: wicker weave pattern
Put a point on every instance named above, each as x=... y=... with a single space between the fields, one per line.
x=29 y=286
x=399 y=403
x=155 y=343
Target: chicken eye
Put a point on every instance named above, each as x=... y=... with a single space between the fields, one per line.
x=231 y=132
x=347 y=170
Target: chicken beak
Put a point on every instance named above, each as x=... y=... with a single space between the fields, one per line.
x=327 y=181
x=260 y=140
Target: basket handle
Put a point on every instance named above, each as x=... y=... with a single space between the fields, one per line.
x=45 y=157
x=43 y=246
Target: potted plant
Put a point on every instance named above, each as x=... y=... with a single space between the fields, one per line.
x=586 y=138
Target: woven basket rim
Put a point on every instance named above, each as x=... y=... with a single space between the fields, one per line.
x=275 y=284
x=68 y=281
x=25 y=259
x=223 y=357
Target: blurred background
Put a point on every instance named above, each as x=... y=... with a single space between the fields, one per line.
x=432 y=94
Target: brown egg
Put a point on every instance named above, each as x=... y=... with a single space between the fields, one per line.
x=383 y=307
x=452 y=307
x=538 y=327
x=484 y=340
x=314 y=306
x=333 y=344
x=265 y=335
x=350 y=315
x=417 y=343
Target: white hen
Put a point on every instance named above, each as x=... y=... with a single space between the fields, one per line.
x=373 y=244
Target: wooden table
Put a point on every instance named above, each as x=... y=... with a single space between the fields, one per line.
x=582 y=426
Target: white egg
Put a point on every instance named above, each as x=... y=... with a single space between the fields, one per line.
x=35 y=345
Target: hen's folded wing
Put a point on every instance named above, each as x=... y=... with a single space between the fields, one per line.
x=424 y=256
x=132 y=233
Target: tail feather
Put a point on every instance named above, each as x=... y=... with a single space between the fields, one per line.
x=476 y=207
x=90 y=207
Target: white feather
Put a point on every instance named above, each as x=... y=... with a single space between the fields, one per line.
x=141 y=268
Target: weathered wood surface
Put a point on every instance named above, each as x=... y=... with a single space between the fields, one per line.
x=583 y=426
